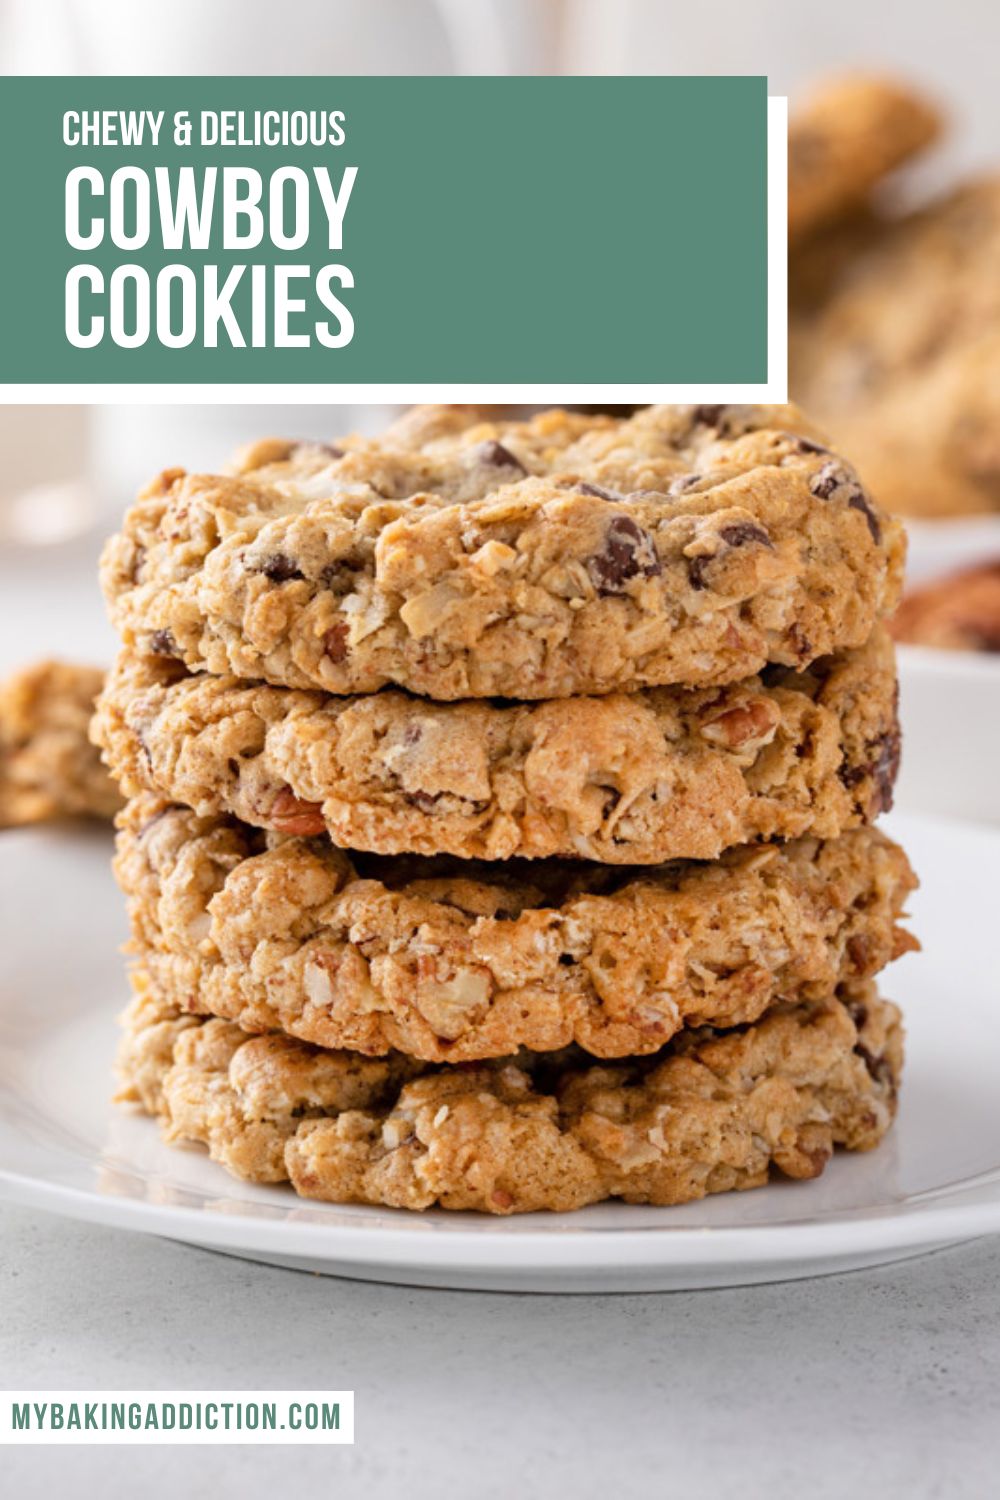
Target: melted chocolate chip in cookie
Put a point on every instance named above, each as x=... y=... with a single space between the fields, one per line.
x=707 y=416
x=743 y=532
x=162 y=643
x=860 y=502
x=833 y=481
x=495 y=456
x=628 y=552
x=586 y=488
x=737 y=534
x=885 y=768
x=278 y=567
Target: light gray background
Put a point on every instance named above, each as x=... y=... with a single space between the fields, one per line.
x=879 y=1383
x=949 y=49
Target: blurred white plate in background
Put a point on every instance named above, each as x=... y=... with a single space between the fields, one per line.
x=950 y=711
x=940 y=547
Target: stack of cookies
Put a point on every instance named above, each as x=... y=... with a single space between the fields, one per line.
x=499 y=832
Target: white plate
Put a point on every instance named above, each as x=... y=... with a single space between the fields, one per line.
x=943 y=546
x=950 y=700
x=63 y=1146
x=950 y=708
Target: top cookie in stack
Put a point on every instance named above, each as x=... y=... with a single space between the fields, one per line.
x=457 y=558
x=351 y=671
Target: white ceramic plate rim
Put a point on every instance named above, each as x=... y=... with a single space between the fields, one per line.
x=592 y=1246
x=368 y=1238
x=976 y=666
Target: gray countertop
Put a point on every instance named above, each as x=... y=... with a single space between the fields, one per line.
x=881 y=1382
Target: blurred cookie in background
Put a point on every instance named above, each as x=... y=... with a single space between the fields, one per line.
x=847 y=136
x=900 y=359
x=816 y=262
x=958 y=613
x=48 y=767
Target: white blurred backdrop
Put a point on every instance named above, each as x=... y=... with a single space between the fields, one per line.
x=951 y=52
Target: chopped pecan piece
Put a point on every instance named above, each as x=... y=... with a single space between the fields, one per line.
x=290 y=814
x=748 y=726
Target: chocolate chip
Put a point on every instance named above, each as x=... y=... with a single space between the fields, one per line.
x=617 y=410
x=806 y=445
x=277 y=567
x=425 y=801
x=736 y=534
x=682 y=482
x=162 y=643
x=833 y=478
x=740 y=533
x=885 y=769
x=612 y=797
x=628 y=552
x=860 y=502
x=495 y=456
x=826 y=480
x=856 y=1009
x=726 y=420
x=878 y=1067
x=595 y=489
x=882 y=768
x=339 y=577
x=566 y=959
x=614 y=497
